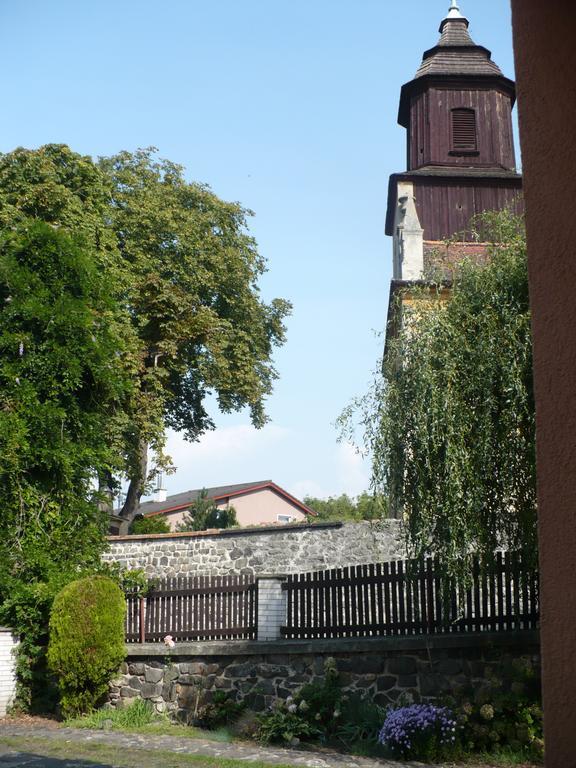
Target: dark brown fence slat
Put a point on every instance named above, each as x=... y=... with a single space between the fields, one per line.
x=394 y=597
x=410 y=598
x=399 y=597
x=402 y=601
x=194 y=608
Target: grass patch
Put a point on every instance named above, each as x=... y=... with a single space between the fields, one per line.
x=501 y=759
x=137 y=715
x=140 y=717
x=120 y=757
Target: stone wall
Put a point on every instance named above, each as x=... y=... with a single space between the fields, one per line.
x=7 y=669
x=420 y=668
x=277 y=549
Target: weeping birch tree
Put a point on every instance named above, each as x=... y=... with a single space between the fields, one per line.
x=449 y=421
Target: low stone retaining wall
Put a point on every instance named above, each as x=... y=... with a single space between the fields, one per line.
x=8 y=643
x=274 y=549
x=426 y=668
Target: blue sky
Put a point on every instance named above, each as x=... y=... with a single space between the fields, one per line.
x=289 y=108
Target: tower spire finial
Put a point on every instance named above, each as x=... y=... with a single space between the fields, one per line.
x=454 y=10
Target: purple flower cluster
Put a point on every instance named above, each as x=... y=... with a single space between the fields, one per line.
x=411 y=729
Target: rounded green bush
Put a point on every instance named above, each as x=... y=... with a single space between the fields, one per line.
x=86 y=644
x=157 y=524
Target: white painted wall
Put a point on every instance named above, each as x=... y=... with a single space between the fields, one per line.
x=8 y=643
x=271 y=607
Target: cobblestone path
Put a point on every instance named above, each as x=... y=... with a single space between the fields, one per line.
x=10 y=758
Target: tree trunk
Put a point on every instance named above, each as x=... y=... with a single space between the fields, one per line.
x=135 y=487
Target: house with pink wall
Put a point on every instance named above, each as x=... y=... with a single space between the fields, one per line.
x=259 y=503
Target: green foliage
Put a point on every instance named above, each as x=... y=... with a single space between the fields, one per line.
x=62 y=394
x=204 y=514
x=92 y=370
x=132 y=581
x=450 y=423
x=365 y=506
x=222 y=710
x=314 y=712
x=137 y=715
x=156 y=524
x=285 y=724
x=504 y=715
x=193 y=274
x=86 y=643
x=62 y=390
x=359 y=724
x=188 y=273
x=321 y=702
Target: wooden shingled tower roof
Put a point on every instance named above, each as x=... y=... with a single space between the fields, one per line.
x=455 y=55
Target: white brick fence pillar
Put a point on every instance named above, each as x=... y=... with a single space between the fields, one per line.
x=8 y=644
x=271 y=607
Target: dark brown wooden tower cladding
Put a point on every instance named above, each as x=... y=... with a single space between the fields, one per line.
x=457 y=112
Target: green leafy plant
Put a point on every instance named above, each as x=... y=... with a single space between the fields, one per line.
x=321 y=702
x=204 y=514
x=286 y=723
x=86 y=643
x=359 y=724
x=313 y=712
x=156 y=524
x=223 y=709
x=494 y=718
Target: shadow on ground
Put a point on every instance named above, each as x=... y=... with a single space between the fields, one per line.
x=25 y=759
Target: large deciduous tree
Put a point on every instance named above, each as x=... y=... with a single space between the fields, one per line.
x=450 y=421
x=193 y=290
x=185 y=270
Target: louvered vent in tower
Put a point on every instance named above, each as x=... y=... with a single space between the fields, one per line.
x=464 y=130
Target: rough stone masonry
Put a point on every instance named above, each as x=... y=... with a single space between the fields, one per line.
x=270 y=550
x=419 y=668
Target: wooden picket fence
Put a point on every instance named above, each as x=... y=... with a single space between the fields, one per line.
x=410 y=598
x=193 y=608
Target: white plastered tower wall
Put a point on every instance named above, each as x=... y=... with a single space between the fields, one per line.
x=408 y=246
x=8 y=643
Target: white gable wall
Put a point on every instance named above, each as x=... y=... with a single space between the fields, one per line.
x=7 y=669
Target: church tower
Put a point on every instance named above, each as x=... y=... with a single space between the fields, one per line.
x=457 y=112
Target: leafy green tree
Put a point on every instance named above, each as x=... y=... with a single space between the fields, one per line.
x=188 y=271
x=156 y=524
x=450 y=423
x=62 y=397
x=193 y=290
x=365 y=506
x=127 y=296
x=62 y=390
x=204 y=514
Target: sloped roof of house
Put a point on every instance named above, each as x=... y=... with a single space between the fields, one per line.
x=183 y=500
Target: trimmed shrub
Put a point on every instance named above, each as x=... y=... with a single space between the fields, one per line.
x=86 y=644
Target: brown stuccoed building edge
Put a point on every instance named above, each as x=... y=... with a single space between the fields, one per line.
x=545 y=53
